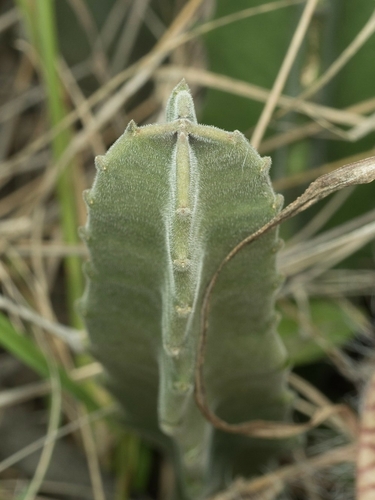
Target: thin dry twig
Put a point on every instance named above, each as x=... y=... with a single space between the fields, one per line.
x=366 y=446
x=55 y=488
x=129 y=35
x=339 y=359
x=310 y=175
x=282 y=76
x=69 y=335
x=348 y=425
x=9 y=18
x=80 y=103
x=17 y=395
x=359 y=40
x=339 y=283
x=58 y=434
x=92 y=458
x=326 y=250
x=322 y=217
x=53 y=424
x=52 y=250
x=255 y=92
x=301 y=131
x=251 y=490
x=236 y=16
x=308 y=480
x=113 y=22
x=84 y=15
x=15 y=227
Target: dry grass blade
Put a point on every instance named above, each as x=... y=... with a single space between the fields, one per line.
x=360 y=39
x=282 y=76
x=147 y=65
x=358 y=318
x=366 y=447
x=69 y=335
x=113 y=22
x=251 y=91
x=58 y=434
x=53 y=489
x=51 y=250
x=325 y=253
x=251 y=490
x=14 y=228
x=81 y=104
x=53 y=425
x=344 y=364
x=347 y=426
x=361 y=172
x=362 y=129
x=8 y=19
x=313 y=128
x=99 y=61
x=92 y=459
x=309 y=175
x=27 y=392
x=237 y=16
x=323 y=216
x=129 y=34
x=338 y=283
x=16 y=105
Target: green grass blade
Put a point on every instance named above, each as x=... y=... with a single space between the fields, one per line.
x=39 y=18
x=26 y=351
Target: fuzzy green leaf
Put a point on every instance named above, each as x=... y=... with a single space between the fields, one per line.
x=167 y=205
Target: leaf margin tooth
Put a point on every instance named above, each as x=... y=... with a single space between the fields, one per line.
x=278 y=203
x=88 y=269
x=101 y=163
x=131 y=128
x=88 y=198
x=266 y=165
x=84 y=233
x=81 y=306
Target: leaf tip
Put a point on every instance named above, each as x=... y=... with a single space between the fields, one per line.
x=131 y=128
x=180 y=104
x=182 y=85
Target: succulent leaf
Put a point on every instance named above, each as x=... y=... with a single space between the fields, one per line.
x=168 y=203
